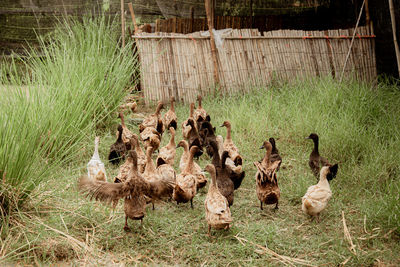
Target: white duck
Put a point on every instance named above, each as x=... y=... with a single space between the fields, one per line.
x=317 y=196
x=95 y=167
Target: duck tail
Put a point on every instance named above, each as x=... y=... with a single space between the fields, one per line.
x=307 y=204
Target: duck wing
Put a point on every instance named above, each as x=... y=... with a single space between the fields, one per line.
x=216 y=203
x=103 y=191
x=317 y=193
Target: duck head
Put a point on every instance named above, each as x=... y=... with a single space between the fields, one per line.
x=313 y=137
x=182 y=143
x=267 y=145
x=226 y=124
x=120 y=129
x=332 y=172
x=190 y=123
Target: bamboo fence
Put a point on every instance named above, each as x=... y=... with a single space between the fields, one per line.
x=181 y=65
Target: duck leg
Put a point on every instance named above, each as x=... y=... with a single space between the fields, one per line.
x=261 y=204
x=191 y=203
x=153 y=205
x=126 y=227
x=276 y=206
x=209 y=230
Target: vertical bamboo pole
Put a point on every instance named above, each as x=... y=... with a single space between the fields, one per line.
x=209 y=5
x=122 y=23
x=251 y=14
x=133 y=17
x=396 y=45
x=191 y=18
x=367 y=16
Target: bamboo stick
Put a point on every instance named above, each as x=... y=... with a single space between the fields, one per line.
x=396 y=45
x=352 y=41
x=122 y=23
x=133 y=17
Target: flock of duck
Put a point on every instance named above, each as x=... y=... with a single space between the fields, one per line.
x=141 y=181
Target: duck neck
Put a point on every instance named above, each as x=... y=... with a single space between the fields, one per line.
x=149 y=162
x=225 y=155
x=191 y=110
x=228 y=132
x=189 y=165
x=96 y=148
x=172 y=106
x=172 y=140
x=138 y=149
x=216 y=161
x=134 y=164
x=266 y=158
x=315 y=146
x=158 y=110
x=220 y=144
x=323 y=182
x=200 y=103
x=213 y=178
x=194 y=129
x=122 y=119
x=119 y=135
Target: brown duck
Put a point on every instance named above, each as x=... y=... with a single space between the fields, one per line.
x=218 y=214
x=228 y=181
x=230 y=146
x=200 y=114
x=316 y=161
x=153 y=120
x=118 y=149
x=132 y=190
x=267 y=188
x=186 y=182
x=169 y=118
x=185 y=126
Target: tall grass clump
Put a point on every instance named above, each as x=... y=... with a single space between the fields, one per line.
x=71 y=87
x=358 y=128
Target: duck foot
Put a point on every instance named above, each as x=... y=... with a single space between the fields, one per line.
x=191 y=203
x=126 y=227
x=276 y=207
x=261 y=205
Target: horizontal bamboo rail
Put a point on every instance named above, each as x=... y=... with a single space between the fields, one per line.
x=255 y=37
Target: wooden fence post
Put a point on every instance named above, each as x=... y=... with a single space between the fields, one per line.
x=396 y=45
x=210 y=21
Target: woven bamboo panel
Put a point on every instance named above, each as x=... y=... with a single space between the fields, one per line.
x=181 y=65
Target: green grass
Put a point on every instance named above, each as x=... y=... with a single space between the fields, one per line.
x=358 y=128
x=68 y=90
